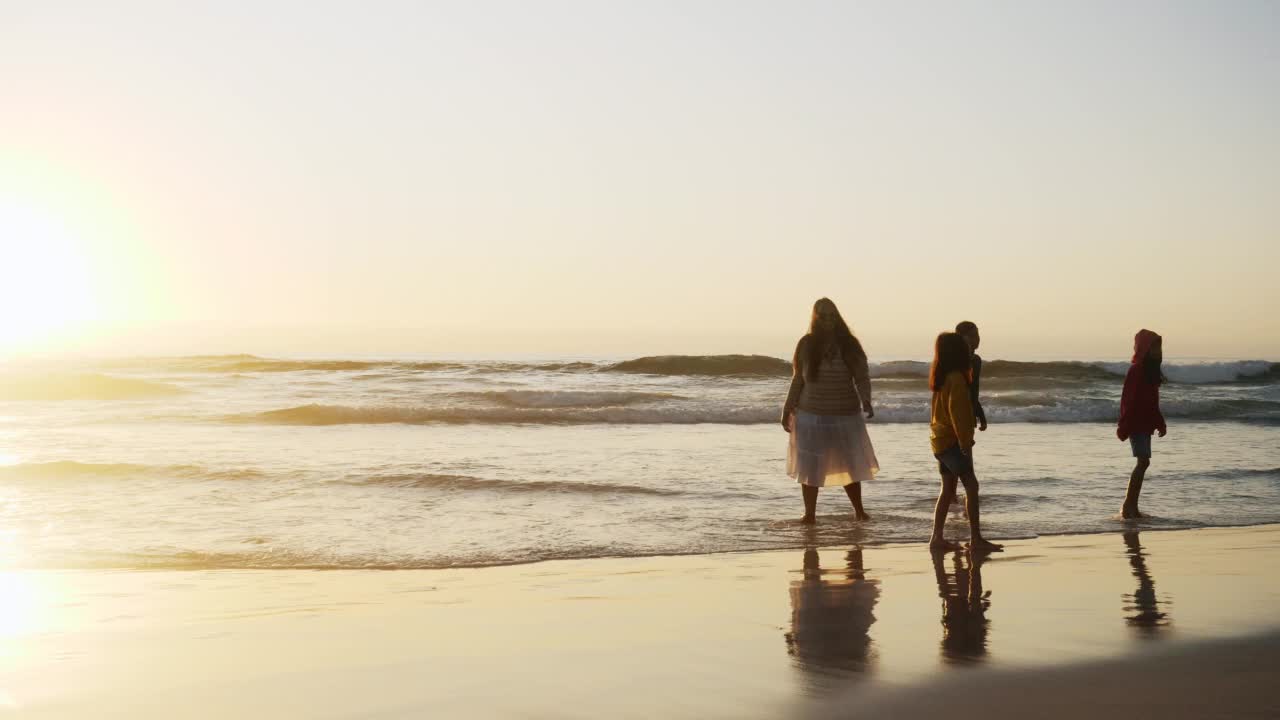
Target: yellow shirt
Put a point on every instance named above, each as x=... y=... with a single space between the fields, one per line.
x=951 y=420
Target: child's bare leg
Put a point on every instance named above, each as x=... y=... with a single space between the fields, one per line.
x=945 y=495
x=854 y=491
x=810 y=494
x=952 y=500
x=1130 y=507
x=976 y=541
x=961 y=506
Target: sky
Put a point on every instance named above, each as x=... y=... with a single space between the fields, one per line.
x=616 y=178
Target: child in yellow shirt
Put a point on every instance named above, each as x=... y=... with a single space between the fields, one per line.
x=951 y=425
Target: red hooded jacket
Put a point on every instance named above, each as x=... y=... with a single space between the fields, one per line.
x=1140 y=401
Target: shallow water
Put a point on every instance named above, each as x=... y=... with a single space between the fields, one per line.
x=244 y=462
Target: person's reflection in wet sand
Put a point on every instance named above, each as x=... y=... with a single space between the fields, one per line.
x=964 y=606
x=1142 y=606
x=830 y=618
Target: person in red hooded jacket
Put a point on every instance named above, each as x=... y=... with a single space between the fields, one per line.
x=1140 y=412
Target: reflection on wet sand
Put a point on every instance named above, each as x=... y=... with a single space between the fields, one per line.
x=1142 y=606
x=831 y=615
x=964 y=607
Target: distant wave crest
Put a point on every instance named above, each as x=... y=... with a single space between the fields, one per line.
x=1049 y=372
x=1212 y=372
x=704 y=365
x=254 y=364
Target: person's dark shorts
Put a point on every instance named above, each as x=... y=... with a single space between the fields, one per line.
x=1141 y=444
x=954 y=461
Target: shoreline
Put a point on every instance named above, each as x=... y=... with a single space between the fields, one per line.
x=772 y=633
x=954 y=521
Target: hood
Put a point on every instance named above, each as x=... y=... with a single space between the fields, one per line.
x=1142 y=343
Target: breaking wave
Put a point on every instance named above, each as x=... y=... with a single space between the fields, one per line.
x=891 y=528
x=1075 y=410
x=355 y=415
x=72 y=470
x=81 y=386
x=465 y=483
x=1064 y=372
x=566 y=398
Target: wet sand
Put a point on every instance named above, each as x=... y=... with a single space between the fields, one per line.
x=1051 y=627
x=1229 y=678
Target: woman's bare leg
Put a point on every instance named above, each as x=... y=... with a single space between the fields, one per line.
x=854 y=491
x=810 y=504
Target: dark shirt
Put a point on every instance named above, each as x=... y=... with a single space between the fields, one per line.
x=978 y=412
x=1139 y=405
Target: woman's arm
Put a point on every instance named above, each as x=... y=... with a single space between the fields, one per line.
x=862 y=380
x=797 y=384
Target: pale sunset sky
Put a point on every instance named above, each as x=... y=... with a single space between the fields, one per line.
x=614 y=178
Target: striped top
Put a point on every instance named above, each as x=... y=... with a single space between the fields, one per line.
x=835 y=390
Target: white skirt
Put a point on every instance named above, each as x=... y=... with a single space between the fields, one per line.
x=830 y=450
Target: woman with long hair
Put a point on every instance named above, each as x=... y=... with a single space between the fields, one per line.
x=951 y=424
x=830 y=389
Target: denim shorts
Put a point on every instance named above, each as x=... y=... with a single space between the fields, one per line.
x=954 y=461
x=1141 y=444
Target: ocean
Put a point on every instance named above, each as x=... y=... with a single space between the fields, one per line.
x=247 y=462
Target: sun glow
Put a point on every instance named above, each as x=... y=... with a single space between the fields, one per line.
x=46 y=293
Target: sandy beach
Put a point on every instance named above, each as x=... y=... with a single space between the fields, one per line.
x=1053 y=625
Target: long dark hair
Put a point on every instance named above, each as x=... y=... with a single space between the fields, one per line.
x=820 y=337
x=1151 y=370
x=950 y=353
